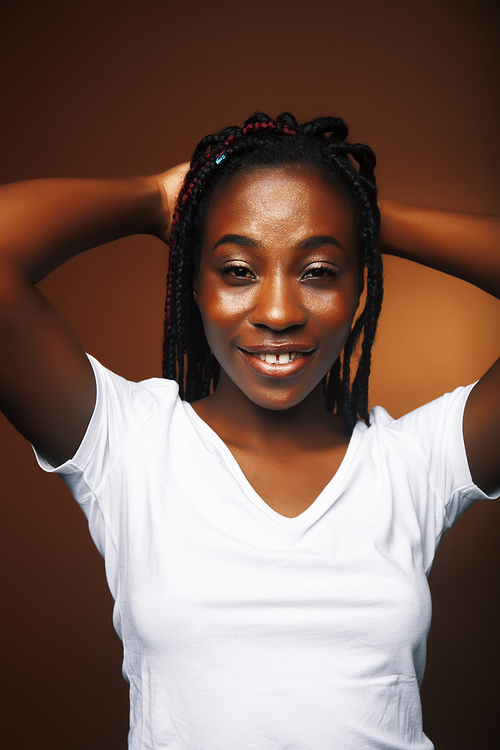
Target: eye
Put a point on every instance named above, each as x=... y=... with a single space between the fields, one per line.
x=238 y=271
x=320 y=271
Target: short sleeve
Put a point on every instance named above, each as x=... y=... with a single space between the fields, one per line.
x=434 y=432
x=121 y=410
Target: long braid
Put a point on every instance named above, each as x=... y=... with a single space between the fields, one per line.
x=351 y=403
x=263 y=141
x=373 y=261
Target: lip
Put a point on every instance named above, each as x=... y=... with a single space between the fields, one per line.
x=268 y=369
x=274 y=348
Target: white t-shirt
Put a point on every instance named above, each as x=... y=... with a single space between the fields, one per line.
x=246 y=630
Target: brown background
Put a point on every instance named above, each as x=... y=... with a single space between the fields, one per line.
x=108 y=87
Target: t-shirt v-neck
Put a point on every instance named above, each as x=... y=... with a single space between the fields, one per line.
x=320 y=505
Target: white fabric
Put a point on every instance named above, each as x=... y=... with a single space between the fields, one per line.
x=245 y=629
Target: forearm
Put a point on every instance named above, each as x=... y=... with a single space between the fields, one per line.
x=463 y=245
x=46 y=222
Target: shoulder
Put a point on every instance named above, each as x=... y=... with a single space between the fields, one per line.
x=433 y=431
x=443 y=413
x=116 y=391
x=430 y=436
x=429 y=440
x=123 y=410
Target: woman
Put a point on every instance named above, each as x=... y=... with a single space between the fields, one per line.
x=267 y=557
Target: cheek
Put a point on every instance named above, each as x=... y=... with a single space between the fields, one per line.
x=220 y=313
x=221 y=305
x=335 y=325
x=336 y=309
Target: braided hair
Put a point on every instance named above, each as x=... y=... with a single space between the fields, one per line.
x=262 y=141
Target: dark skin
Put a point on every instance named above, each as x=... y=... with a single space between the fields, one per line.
x=279 y=272
x=286 y=443
x=280 y=268
x=47 y=387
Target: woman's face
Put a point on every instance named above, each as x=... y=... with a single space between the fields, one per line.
x=278 y=283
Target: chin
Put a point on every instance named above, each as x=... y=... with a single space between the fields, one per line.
x=279 y=399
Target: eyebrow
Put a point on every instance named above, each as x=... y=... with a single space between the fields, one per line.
x=311 y=243
x=235 y=239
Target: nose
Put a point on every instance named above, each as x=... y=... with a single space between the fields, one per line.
x=278 y=305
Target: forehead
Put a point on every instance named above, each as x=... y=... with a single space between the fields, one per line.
x=269 y=200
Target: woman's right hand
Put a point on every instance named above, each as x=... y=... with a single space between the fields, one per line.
x=170 y=183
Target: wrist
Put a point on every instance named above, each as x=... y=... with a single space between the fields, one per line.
x=151 y=213
x=161 y=208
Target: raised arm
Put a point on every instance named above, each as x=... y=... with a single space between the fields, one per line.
x=466 y=246
x=47 y=387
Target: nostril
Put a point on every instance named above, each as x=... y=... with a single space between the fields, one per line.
x=278 y=324
x=278 y=316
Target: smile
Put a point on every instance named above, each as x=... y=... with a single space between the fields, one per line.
x=277 y=364
x=278 y=359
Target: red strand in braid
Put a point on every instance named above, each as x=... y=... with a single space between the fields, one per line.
x=185 y=194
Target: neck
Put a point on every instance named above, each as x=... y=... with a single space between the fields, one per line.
x=242 y=423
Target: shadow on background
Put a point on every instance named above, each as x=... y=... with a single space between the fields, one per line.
x=116 y=88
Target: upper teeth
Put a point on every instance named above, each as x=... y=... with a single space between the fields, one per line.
x=278 y=359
